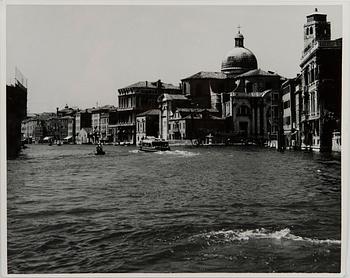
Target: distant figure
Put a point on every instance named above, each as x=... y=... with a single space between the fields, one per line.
x=99 y=149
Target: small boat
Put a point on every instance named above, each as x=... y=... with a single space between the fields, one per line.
x=152 y=144
x=99 y=150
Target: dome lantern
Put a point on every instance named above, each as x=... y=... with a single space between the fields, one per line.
x=239 y=38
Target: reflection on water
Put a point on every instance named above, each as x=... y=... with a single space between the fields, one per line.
x=219 y=209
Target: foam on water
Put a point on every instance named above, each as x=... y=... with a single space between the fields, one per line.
x=241 y=235
x=179 y=153
x=134 y=151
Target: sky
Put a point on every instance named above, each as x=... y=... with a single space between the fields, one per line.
x=80 y=55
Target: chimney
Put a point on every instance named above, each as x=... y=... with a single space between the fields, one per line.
x=146 y=84
x=57 y=111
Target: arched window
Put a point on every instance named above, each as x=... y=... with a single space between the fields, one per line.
x=249 y=87
x=311 y=30
x=307 y=31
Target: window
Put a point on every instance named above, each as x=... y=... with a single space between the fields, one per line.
x=286 y=104
x=312 y=79
x=311 y=30
x=243 y=110
x=312 y=100
x=307 y=31
x=286 y=120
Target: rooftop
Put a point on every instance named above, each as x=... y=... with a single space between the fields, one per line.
x=207 y=75
x=104 y=108
x=258 y=72
x=151 y=112
x=195 y=110
x=152 y=85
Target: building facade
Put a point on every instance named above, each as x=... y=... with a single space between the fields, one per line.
x=147 y=124
x=83 y=119
x=168 y=104
x=244 y=96
x=136 y=99
x=100 y=123
x=16 y=109
x=321 y=65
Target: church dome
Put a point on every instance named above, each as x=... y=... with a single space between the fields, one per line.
x=239 y=59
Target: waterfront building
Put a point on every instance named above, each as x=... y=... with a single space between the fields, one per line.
x=57 y=128
x=246 y=97
x=112 y=125
x=16 y=111
x=168 y=104
x=147 y=124
x=320 y=64
x=84 y=136
x=297 y=110
x=253 y=110
x=198 y=88
x=70 y=138
x=32 y=129
x=100 y=123
x=35 y=128
x=83 y=119
x=135 y=99
x=289 y=117
x=28 y=128
x=198 y=124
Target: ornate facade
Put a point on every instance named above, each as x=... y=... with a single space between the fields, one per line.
x=321 y=64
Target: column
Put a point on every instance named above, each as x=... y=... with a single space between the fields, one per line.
x=258 y=119
x=264 y=119
x=253 y=120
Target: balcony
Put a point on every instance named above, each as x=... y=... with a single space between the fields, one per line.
x=314 y=116
x=125 y=124
x=312 y=86
x=121 y=109
x=304 y=115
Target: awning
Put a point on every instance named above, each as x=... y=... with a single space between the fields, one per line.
x=67 y=138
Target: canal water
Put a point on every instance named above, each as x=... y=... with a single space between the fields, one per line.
x=207 y=209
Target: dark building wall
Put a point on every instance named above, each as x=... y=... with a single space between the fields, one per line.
x=330 y=73
x=16 y=107
x=85 y=120
x=198 y=90
x=199 y=128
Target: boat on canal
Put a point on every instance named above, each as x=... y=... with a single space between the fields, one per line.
x=153 y=144
x=99 y=150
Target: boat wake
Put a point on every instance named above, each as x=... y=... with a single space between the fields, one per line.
x=225 y=236
x=179 y=153
x=134 y=151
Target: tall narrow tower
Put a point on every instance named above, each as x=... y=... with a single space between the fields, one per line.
x=316 y=28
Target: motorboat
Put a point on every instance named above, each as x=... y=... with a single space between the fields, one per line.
x=153 y=144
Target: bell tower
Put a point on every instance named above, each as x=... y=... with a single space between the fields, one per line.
x=316 y=28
